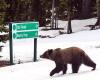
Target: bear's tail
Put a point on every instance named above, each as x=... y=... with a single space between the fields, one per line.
x=87 y=61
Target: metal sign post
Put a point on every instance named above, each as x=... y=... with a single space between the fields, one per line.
x=10 y=44
x=35 y=49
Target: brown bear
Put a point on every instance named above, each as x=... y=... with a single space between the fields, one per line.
x=71 y=55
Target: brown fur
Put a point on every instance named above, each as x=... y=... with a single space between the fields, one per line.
x=71 y=55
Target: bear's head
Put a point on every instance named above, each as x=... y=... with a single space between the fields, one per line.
x=47 y=54
x=50 y=53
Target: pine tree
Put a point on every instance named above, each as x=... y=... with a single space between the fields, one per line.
x=3 y=6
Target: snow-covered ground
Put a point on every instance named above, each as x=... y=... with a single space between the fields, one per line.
x=88 y=40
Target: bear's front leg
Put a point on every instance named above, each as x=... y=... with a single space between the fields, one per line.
x=57 y=69
x=64 y=68
x=53 y=71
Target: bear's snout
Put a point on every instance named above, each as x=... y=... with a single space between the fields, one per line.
x=41 y=56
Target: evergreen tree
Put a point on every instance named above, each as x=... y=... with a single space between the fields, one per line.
x=3 y=6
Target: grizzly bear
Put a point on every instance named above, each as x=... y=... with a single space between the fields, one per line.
x=71 y=55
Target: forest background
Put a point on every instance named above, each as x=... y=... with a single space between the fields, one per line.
x=47 y=12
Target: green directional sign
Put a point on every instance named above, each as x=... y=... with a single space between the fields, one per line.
x=25 y=34
x=25 y=26
x=25 y=30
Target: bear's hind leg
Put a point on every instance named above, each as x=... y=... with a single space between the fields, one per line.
x=75 y=68
x=90 y=63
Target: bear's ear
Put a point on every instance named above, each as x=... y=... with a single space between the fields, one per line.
x=50 y=51
x=57 y=49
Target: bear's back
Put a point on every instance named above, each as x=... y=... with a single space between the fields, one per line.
x=66 y=55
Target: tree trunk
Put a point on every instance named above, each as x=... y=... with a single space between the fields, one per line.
x=36 y=9
x=38 y=12
x=56 y=14
x=86 y=9
x=52 y=17
x=98 y=12
x=69 y=28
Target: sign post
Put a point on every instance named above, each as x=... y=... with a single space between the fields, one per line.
x=23 y=30
x=35 y=49
x=10 y=44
